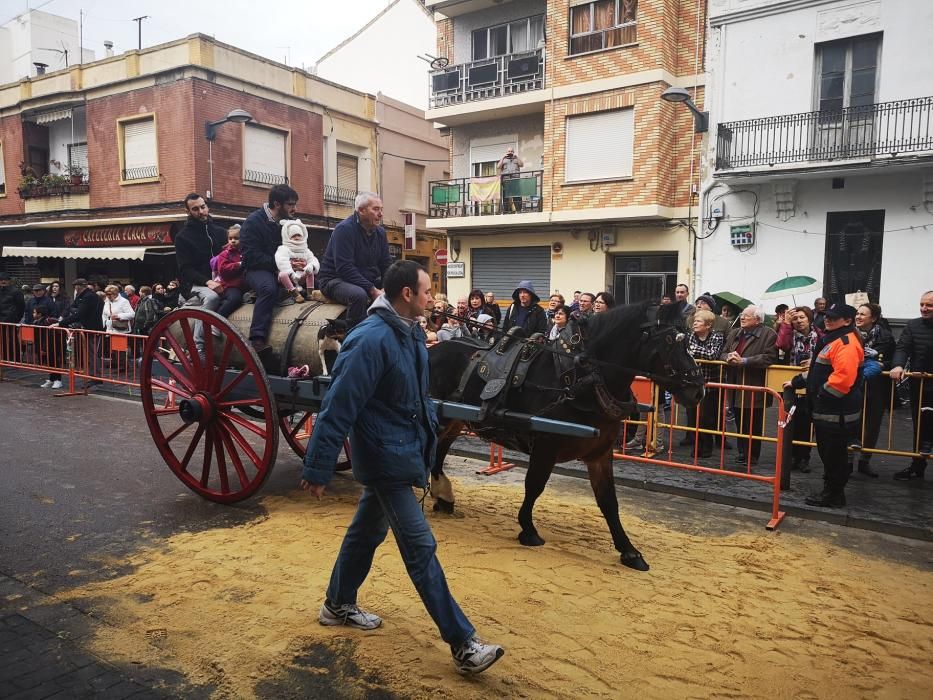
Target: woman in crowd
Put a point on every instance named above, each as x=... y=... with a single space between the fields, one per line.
x=797 y=336
x=603 y=302
x=477 y=305
x=558 y=322
x=441 y=307
x=118 y=313
x=704 y=343
x=879 y=351
x=172 y=294
x=57 y=295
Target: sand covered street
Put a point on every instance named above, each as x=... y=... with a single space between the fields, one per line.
x=724 y=611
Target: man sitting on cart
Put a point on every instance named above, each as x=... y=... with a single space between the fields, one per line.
x=356 y=258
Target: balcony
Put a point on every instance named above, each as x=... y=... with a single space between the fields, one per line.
x=486 y=196
x=54 y=193
x=894 y=129
x=54 y=189
x=499 y=76
x=335 y=195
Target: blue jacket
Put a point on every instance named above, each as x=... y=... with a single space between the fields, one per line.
x=354 y=256
x=259 y=239
x=379 y=397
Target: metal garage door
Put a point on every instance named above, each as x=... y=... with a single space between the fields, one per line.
x=499 y=270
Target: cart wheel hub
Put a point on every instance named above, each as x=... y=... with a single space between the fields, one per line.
x=197 y=409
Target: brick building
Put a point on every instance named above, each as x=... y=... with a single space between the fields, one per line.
x=607 y=193
x=96 y=159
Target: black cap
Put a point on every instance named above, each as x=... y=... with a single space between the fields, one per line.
x=38 y=287
x=80 y=282
x=841 y=311
x=4 y=275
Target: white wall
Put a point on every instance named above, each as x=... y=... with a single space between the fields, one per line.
x=64 y=132
x=527 y=131
x=25 y=40
x=797 y=246
x=384 y=56
x=498 y=14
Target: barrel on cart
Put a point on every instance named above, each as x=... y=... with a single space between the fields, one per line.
x=216 y=418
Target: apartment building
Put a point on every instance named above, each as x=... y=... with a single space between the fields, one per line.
x=821 y=150
x=606 y=196
x=95 y=160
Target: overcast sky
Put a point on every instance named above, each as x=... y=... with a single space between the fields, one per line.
x=293 y=31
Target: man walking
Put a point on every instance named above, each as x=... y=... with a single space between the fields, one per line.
x=356 y=258
x=379 y=396
x=260 y=237
x=195 y=245
x=834 y=388
x=916 y=345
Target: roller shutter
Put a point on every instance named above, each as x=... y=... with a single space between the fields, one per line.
x=600 y=145
x=264 y=155
x=347 y=173
x=499 y=270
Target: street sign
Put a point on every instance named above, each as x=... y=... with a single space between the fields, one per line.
x=410 y=239
x=441 y=256
x=456 y=270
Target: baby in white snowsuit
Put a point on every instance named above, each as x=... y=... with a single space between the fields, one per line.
x=297 y=264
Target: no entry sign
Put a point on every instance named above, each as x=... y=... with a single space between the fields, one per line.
x=441 y=256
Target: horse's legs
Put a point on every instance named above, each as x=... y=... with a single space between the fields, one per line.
x=540 y=466
x=603 y=483
x=441 y=488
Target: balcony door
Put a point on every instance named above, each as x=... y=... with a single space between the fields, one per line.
x=847 y=75
x=853 y=254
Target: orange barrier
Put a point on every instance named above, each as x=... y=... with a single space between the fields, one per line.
x=496 y=461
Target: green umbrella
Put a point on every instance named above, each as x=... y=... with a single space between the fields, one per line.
x=733 y=300
x=792 y=285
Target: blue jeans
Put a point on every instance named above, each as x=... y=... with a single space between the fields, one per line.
x=353 y=297
x=266 y=286
x=395 y=506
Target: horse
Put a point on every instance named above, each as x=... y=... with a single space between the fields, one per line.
x=584 y=376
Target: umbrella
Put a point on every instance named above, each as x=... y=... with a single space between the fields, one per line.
x=733 y=300
x=792 y=285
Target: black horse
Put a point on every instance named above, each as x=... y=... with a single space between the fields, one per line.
x=583 y=377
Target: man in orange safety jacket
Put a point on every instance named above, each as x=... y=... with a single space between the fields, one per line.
x=834 y=388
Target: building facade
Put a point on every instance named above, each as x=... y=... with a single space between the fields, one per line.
x=35 y=41
x=607 y=191
x=97 y=159
x=820 y=159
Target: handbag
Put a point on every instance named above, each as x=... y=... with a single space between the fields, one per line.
x=119 y=324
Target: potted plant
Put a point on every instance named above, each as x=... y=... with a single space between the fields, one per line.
x=27 y=182
x=75 y=174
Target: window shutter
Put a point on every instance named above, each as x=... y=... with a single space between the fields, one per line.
x=139 y=145
x=414 y=184
x=77 y=156
x=492 y=152
x=600 y=145
x=347 y=172
x=264 y=156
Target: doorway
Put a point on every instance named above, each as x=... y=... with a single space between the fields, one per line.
x=853 y=254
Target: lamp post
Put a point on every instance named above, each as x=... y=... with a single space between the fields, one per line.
x=237 y=116
x=700 y=119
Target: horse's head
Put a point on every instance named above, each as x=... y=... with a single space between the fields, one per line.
x=664 y=353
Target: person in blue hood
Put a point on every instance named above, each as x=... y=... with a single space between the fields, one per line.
x=379 y=396
x=524 y=311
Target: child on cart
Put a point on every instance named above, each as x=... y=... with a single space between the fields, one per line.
x=296 y=263
x=227 y=267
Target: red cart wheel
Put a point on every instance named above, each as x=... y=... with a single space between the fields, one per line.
x=297 y=429
x=214 y=449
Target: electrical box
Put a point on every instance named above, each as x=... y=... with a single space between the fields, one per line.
x=717 y=211
x=741 y=236
x=609 y=238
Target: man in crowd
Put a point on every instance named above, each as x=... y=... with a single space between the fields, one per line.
x=707 y=302
x=819 y=313
x=681 y=294
x=749 y=351
x=916 y=345
x=260 y=238
x=12 y=306
x=40 y=299
x=86 y=312
x=575 y=305
x=494 y=307
x=524 y=311
x=129 y=291
x=509 y=166
x=379 y=396
x=834 y=388
x=356 y=258
x=195 y=245
x=585 y=309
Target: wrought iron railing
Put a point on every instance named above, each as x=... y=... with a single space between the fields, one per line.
x=886 y=128
x=264 y=178
x=54 y=190
x=483 y=196
x=143 y=173
x=335 y=195
x=486 y=78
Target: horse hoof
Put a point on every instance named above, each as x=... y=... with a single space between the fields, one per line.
x=442 y=506
x=634 y=560
x=530 y=539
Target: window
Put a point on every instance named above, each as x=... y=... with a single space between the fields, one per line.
x=77 y=157
x=264 y=155
x=414 y=186
x=520 y=36
x=348 y=169
x=600 y=145
x=603 y=24
x=139 y=151
x=484 y=160
x=646 y=277
x=847 y=74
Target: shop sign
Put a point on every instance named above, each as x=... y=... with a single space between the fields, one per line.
x=109 y=236
x=456 y=270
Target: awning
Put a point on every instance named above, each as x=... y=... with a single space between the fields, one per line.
x=128 y=252
x=53 y=116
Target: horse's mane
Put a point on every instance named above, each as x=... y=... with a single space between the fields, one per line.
x=611 y=327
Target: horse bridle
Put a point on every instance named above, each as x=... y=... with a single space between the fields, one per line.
x=672 y=334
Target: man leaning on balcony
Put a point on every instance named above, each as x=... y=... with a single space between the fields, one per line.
x=510 y=165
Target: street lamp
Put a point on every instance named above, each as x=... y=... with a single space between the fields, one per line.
x=237 y=116
x=700 y=119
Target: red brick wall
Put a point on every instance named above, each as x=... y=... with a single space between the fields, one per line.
x=11 y=135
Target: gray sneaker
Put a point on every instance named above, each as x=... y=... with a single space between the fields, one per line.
x=474 y=656
x=349 y=615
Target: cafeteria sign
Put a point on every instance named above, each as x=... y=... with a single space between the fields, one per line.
x=107 y=236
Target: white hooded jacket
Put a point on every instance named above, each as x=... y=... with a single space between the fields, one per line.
x=292 y=250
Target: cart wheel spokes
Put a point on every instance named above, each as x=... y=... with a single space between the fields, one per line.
x=208 y=444
x=297 y=428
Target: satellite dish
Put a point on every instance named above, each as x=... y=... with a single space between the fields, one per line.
x=440 y=62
